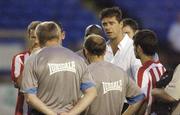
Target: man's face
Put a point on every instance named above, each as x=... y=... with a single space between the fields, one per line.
x=34 y=43
x=111 y=27
x=128 y=30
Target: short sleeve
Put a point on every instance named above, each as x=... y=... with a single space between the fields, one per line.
x=29 y=81
x=173 y=88
x=17 y=66
x=133 y=93
x=143 y=81
x=86 y=79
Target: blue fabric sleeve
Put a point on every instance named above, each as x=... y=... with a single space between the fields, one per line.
x=132 y=100
x=86 y=85
x=31 y=90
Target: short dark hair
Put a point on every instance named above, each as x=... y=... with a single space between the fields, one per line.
x=95 y=44
x=93 y=29
x=32 y=26
x=147 y=40
x=47 y=31
x=130 y=22
x=111 y=12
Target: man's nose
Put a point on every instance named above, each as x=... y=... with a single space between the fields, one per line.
x=107 y=27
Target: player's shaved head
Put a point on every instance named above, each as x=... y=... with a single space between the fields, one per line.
x=95 y=44
x=47 y=31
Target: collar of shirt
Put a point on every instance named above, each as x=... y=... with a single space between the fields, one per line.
x=121 y=44
x=148 y=63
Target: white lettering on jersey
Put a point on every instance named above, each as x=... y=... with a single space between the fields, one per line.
x=109 y=86
x=69 y=66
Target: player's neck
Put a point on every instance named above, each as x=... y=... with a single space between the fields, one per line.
x=53 y=42
x=93 y=59
x=146 y=58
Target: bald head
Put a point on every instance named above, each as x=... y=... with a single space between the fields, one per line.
x=95 y=45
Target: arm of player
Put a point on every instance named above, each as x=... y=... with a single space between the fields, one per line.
x=160 y=93
x=133 y=108
x=83 y=103
x=134 y=97
x=33 y=100
x=29 y=86
x=16 y=70
x=18 y=81
x=87 y=86
x=89 y=95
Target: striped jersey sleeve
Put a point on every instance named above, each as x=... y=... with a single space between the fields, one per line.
x=148 y=75
x=18 y=64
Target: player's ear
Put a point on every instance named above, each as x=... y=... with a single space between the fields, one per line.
x=139 y=49
x=85 y=51
x=121 y=24
x=63 y=35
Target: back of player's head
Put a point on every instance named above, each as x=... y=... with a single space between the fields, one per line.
x=147 y=40
x=32 y=26
x=93 y=29
x=60 y=25
x=47 y=31
x=111 y=12
x=131 y=23
x=95 y=44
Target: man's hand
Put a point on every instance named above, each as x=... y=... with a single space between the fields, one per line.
x=35 y=102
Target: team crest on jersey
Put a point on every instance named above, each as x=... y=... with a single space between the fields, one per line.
x=109 y=86
x=58 y=67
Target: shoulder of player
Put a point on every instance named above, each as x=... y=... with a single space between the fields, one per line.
x=115 y=67
x=31 y=58
x=141 y=71
x=107 y=65
x=22 y=53
x=79 y=51
x=20 y=56
x=74 y=56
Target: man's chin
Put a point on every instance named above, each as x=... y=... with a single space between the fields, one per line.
x=110 y=36
x=36 y=46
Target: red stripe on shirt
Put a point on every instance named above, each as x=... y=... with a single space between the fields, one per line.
x=13 y=69
x=140 y=76
x=19 y=104
x=153 y=77
x=159 y=73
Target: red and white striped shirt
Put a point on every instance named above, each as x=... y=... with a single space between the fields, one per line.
x=16 y=71
x=147 y=76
